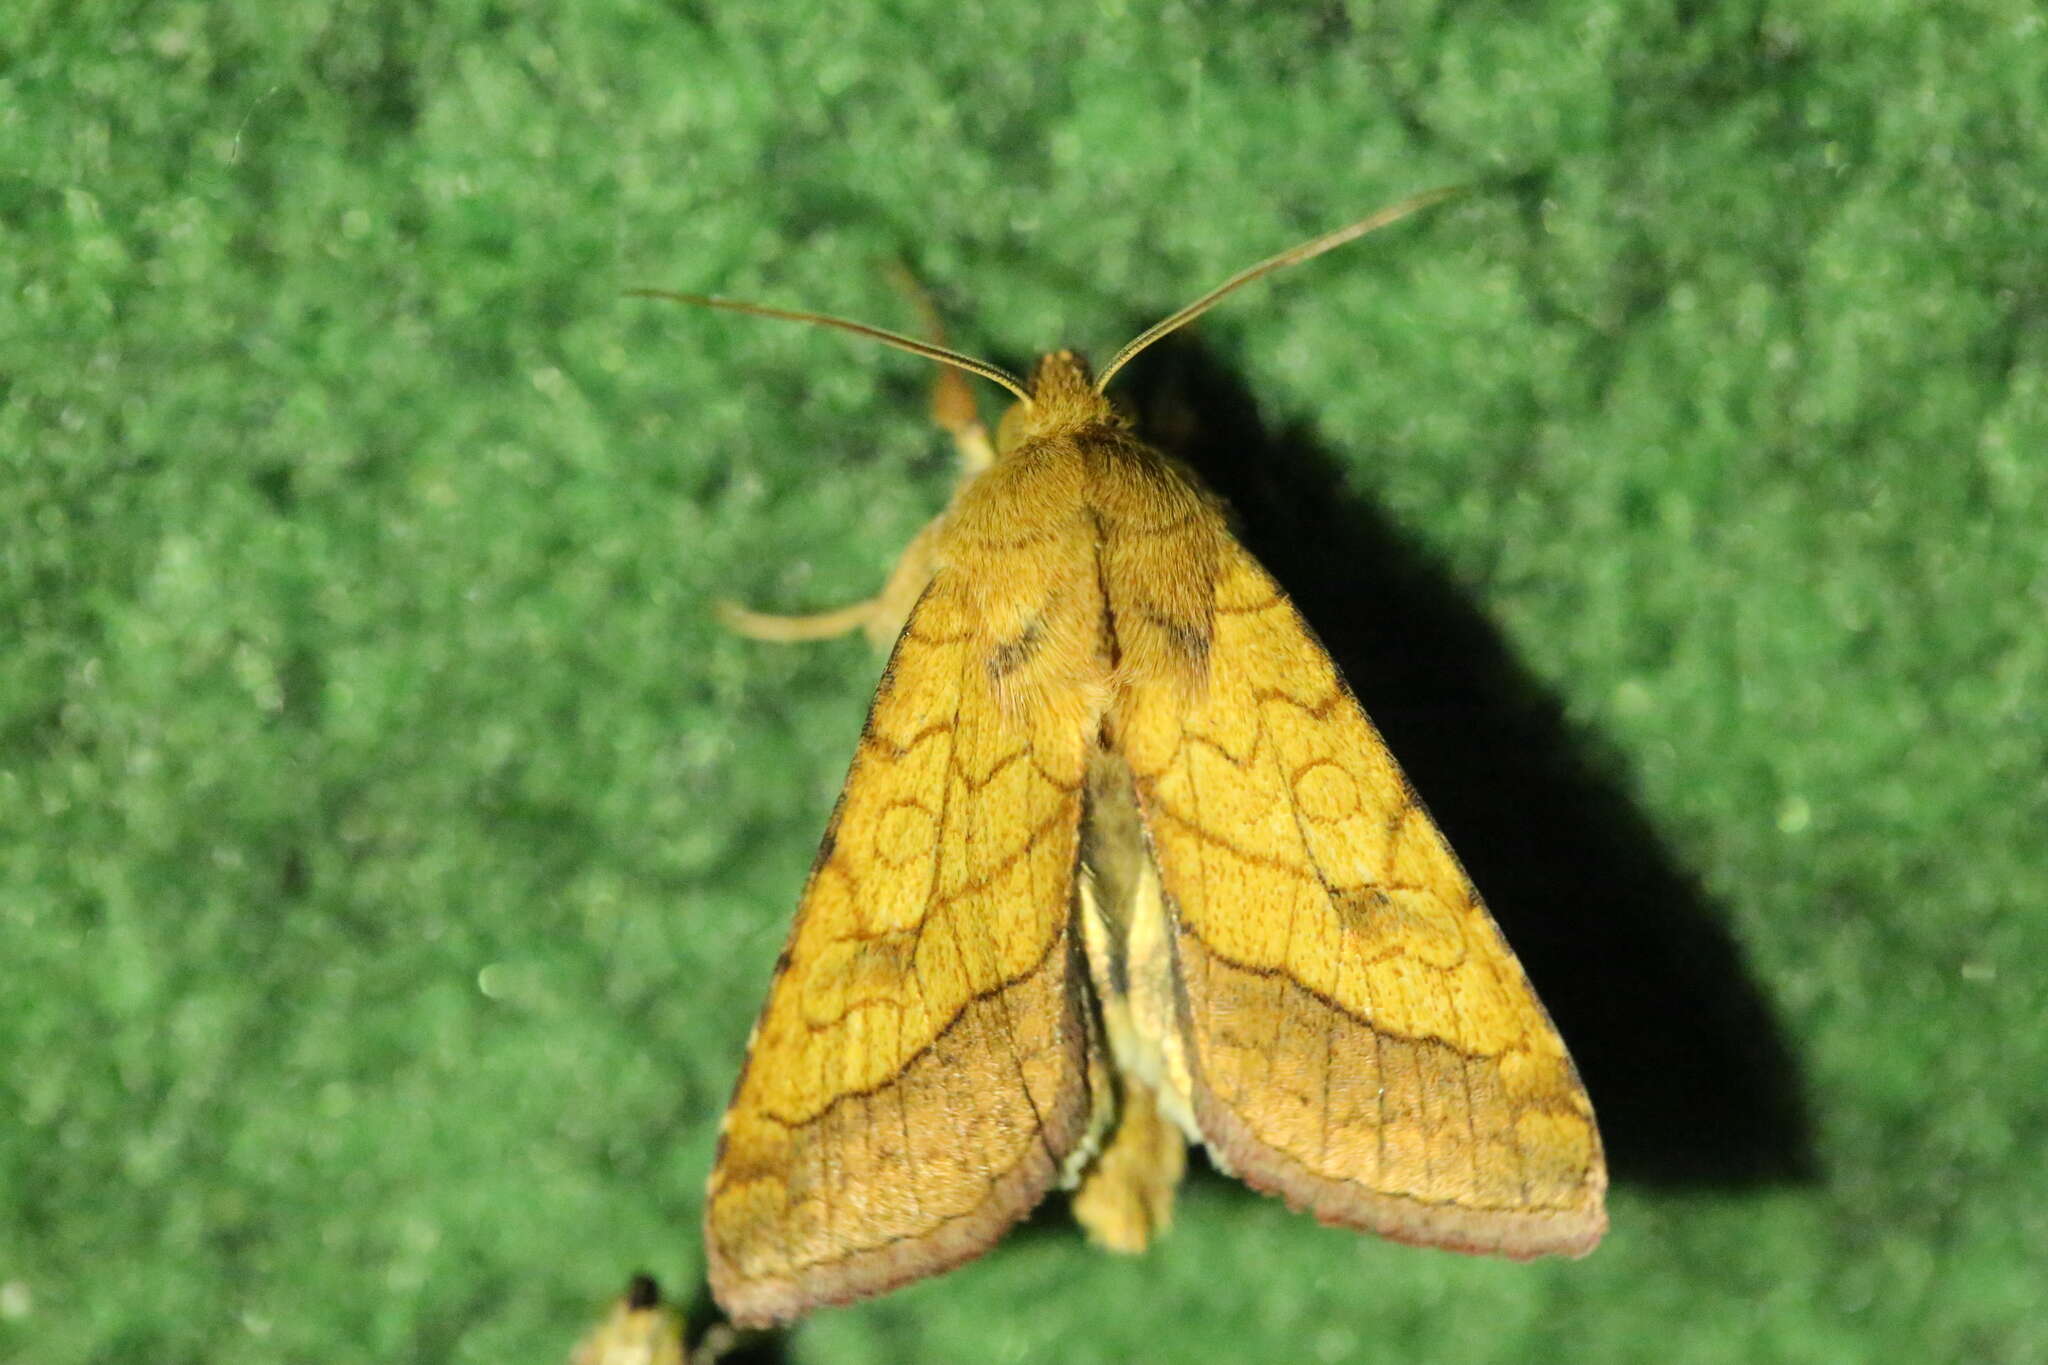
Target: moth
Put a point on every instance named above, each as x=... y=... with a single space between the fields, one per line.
x=1121 y=865
x=638 y=1329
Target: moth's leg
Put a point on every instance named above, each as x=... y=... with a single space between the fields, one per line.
x=784 y=630
x=953 y=405
x=907 y=582
x=881 y=616
x=954 y=409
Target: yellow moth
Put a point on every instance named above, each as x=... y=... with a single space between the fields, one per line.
x=1121 y=865
x=638 y=1329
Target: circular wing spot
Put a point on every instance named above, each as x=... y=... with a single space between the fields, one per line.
x=1403 y=921
x=1325 y=792
x=904 y=833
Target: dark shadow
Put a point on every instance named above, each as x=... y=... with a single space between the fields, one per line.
x=1689 y=1073
x=706 y=1331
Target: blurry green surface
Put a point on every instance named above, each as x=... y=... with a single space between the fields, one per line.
x=394 y=854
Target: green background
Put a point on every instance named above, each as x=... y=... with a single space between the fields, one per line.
x=394 y=852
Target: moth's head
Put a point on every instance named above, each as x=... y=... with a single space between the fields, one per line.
x=1063 y=398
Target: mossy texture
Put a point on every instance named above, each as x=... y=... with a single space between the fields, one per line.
x=393 y=851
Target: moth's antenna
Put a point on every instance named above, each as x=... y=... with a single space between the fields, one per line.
x=1294 y=255
x=902 y=343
